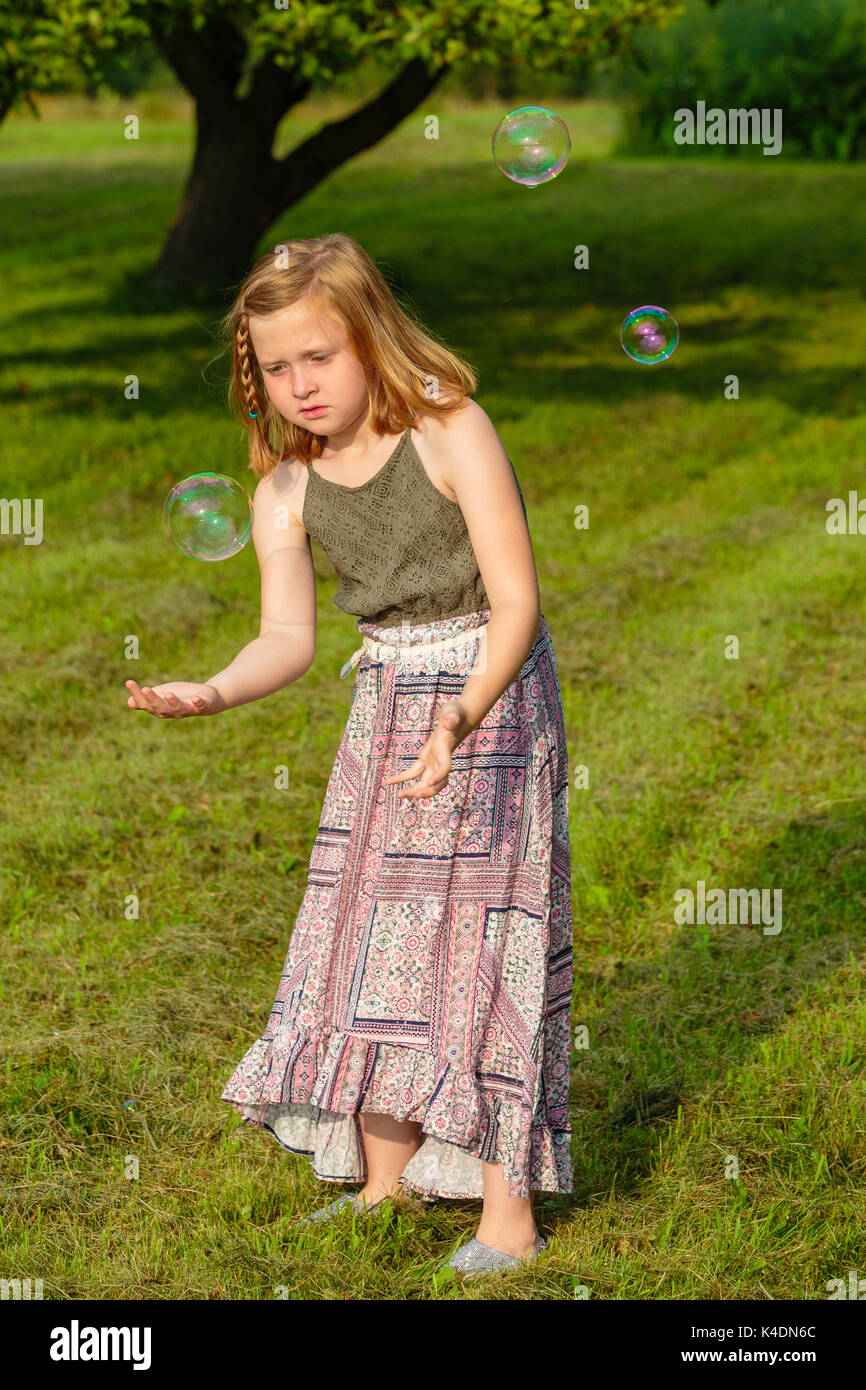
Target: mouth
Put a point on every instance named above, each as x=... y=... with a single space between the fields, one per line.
x=313 y=409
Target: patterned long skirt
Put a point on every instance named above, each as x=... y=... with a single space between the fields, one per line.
x=429 y=973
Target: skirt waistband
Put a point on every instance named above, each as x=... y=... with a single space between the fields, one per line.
x=381 y=650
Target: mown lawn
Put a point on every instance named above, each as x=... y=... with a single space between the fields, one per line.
x=707 y=521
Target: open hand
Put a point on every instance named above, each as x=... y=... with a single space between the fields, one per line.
x=432 y=766
x=175 y=699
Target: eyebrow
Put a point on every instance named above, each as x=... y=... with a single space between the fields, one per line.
x=311 y=352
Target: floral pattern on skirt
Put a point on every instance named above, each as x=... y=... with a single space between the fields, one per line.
x=429 y=973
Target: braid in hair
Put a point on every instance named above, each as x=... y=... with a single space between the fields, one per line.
x=242 y=338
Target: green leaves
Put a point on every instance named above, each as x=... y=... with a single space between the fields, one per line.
x=43 y=42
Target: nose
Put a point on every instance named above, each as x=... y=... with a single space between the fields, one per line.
x=300 y=387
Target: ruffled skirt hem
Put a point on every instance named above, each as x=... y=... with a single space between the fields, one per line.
x=308 y=1091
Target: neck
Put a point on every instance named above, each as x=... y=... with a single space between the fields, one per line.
x=356 y=439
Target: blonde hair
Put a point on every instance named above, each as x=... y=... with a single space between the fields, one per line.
x=398 y=356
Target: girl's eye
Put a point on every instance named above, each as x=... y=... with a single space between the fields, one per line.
x=277 y=371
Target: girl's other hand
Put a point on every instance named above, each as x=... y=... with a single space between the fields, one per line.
x=432 y=767
x=175 y=699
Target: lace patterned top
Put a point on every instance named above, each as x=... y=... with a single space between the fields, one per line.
x=400 y=548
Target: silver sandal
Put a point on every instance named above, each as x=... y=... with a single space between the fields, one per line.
x=351 y=1199
x=475 y=1258
x=347 y=1199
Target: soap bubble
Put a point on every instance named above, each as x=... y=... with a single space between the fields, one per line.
x=531 y=145
x=649 y=334
x=208 y=516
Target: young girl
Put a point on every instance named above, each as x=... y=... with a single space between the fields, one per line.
x=420 y=1037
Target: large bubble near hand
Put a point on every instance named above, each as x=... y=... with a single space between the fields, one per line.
x=531 y=145
x=208 y=516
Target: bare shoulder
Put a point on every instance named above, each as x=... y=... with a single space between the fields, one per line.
x=450 y=439
x=466 y=432
x=278 y=502
x=467 y=418
x=281 y=493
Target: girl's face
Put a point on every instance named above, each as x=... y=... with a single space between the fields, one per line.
x=311 y=374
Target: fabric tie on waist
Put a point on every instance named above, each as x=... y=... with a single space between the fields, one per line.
x=389 y=651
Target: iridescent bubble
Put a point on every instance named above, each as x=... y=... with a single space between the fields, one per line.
x=531 y=145
x=649 y=334
x=208 y=516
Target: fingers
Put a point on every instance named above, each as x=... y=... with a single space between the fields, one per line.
x=153 y=702
x=414 y=771
x=142 y=699
x=166 y=706
x=430 y=781
x=418 y=769
x=422 y=792
x=431 y=769
x=183 y=707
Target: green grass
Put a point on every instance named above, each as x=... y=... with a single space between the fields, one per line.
x=707 y=519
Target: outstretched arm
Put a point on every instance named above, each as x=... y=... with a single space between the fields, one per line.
x=286 y=644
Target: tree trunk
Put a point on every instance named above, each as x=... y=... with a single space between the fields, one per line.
x=228 y=204
x=236 y=189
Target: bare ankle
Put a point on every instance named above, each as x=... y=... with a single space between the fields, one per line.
x=377 y=1191
x=520 y=1243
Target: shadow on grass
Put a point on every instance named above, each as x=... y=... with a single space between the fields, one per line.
x=716 y=988
x=529 y=345
x=503 y=288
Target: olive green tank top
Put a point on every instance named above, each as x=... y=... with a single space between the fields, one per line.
x=400 y=548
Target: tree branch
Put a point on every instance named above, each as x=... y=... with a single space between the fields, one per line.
x=302 y=168
x=275 y=90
